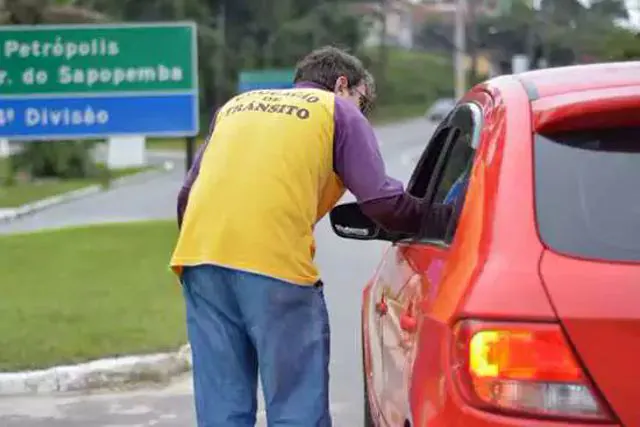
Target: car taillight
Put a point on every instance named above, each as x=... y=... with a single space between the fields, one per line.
x=526 y=369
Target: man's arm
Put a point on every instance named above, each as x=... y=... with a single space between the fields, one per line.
x=183 y=195
x=358 y=162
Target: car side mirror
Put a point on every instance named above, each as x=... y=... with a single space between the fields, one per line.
x=349 y=222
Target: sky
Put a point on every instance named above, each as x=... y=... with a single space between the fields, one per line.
x=634 y=12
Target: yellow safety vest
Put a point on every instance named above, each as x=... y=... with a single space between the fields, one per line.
x=266 y=178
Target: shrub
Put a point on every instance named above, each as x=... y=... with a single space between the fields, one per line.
x=56 y=159
x=413 y=77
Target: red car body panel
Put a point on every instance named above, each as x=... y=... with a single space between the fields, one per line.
x=596 y=108
x=501 y=270
x=503 y=196
x=601 y=316
x=558 y=81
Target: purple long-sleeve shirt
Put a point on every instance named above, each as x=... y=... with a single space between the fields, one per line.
x=359 y=164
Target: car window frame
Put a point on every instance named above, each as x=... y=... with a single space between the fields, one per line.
x=453 y=126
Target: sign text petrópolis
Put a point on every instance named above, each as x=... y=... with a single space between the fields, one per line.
x=94 y=81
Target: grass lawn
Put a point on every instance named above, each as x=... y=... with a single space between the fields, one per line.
x=93 y=292
x=382 y=115
x=22 y=193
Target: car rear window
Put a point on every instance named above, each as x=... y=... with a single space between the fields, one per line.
x=588 y=193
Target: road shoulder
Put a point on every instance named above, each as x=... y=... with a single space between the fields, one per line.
x=111 y=373
x=11 y=214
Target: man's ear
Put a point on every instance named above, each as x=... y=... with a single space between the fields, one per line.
x=341 y=85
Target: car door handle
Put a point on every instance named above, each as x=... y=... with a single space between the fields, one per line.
x=408 y=323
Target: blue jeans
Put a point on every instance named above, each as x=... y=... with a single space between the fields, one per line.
x=240 y=323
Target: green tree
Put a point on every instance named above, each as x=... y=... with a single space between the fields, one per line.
x=566 y=31
x=609 y=9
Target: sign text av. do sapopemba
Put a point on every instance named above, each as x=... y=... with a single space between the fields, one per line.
x=98 y=80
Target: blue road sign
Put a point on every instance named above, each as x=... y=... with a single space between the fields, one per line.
x=61 y=118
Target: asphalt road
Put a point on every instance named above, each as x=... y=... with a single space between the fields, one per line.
x=345 y=266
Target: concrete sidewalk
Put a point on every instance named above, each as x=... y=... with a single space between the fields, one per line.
x=107 y=373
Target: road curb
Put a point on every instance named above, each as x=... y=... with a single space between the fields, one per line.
x=98 y=374
x=8 y=215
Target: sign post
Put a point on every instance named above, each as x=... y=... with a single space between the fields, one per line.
x=191 y=149
x=265 y=79
x=98 y=81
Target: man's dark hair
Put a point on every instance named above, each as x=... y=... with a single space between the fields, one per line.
x=370 y=85
x=323 y=66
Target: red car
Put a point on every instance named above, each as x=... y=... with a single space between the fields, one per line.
x=527 y=311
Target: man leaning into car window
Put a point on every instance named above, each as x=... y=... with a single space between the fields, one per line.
x=275 y=163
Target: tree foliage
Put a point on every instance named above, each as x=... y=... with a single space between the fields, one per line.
x=30 y=12
x=565 y=32
x=233 y=34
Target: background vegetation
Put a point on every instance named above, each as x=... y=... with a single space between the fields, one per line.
x=257 y=34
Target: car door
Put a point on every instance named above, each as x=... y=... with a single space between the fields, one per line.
x=410 y=273
x=390 y=276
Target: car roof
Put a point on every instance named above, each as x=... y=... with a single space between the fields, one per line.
x=562 y=80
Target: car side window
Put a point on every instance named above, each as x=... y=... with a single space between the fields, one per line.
x=448 y=180
x=419 y=182
x=455 y=170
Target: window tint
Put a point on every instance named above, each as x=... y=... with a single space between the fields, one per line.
x=426 y=165
x=587 y=198
x=458 y=163
x=453 y=177
x=462 y=120
x=448 y=180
